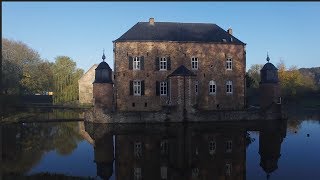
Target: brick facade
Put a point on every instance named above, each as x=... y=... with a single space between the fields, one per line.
x=212 y=59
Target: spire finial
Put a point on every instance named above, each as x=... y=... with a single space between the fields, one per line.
x=103 y=56
x=268 y=59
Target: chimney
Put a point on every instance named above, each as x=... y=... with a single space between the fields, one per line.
x=230 y=31
x=151 y=21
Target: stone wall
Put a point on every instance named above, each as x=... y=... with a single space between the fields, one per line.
x=269 y=96
x=99 y=115
x=86 y=87
x=212 y=66
x=103 y=95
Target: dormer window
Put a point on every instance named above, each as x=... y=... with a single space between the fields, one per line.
x=194 y=63
x=229 y=63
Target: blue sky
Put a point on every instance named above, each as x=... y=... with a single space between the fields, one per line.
x=81 y=30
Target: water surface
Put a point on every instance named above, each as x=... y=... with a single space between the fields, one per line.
x=243 y=150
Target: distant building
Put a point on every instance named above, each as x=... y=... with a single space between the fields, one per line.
x=86 y=86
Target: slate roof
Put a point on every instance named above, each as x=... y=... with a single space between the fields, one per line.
x=103 y=65
x=182 y=71
x=268 y=66
x=173 y=31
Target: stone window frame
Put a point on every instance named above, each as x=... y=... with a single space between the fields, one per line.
x=163 y=64
x=196 y=87
x=137 y=149
x=137 y=88
x=136 y=63
x=164 y=172
x=212 y=146
x=229 y=146
x=194 y=63
x=229 y=63
x=137 y=173
x=164 y=146
x=212 y=87
x=229 y=87
x=163 y=88
x=228 y=168
x=195 y=172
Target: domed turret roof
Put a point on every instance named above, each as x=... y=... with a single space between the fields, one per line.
x=103 y=65
x=269 y=66
x=103 y=72
x=269 y=73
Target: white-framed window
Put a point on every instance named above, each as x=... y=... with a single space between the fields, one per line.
x=196 y=87
x=194 y=63
x=137 y=173
x=138 y=149
x=136 y=63
x=229 y=87
x=163 y=88
x=229 y=63
x=228 y=169
x=163 y=63
x=212 y=146
x=164 y=172
x=137 y=88
x=212 y=87
x=164 y=146
x=229 y=146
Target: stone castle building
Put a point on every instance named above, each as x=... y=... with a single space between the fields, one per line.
x=182 y=65
x=86 y=86
x=169 y=68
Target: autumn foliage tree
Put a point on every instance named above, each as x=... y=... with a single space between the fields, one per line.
x=293 y=82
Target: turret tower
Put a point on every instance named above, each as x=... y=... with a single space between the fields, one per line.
x=269 y=88
x=103 y=86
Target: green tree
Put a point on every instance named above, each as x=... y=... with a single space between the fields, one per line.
x=254 y=74
x=65 y=78
x=22 y=71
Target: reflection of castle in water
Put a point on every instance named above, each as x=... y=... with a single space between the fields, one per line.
x=182 y=151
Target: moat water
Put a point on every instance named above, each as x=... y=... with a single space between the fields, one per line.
x=284 y=149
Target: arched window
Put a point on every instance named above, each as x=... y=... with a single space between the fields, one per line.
x=212 y=87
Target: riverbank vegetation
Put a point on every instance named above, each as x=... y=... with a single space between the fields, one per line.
x=24 y=72
x=299 y=87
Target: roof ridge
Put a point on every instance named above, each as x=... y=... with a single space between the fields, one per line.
x=179 y=22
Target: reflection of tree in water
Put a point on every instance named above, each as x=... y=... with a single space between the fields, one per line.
x=66 y=138
x=294 y=125
x=24 y=144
